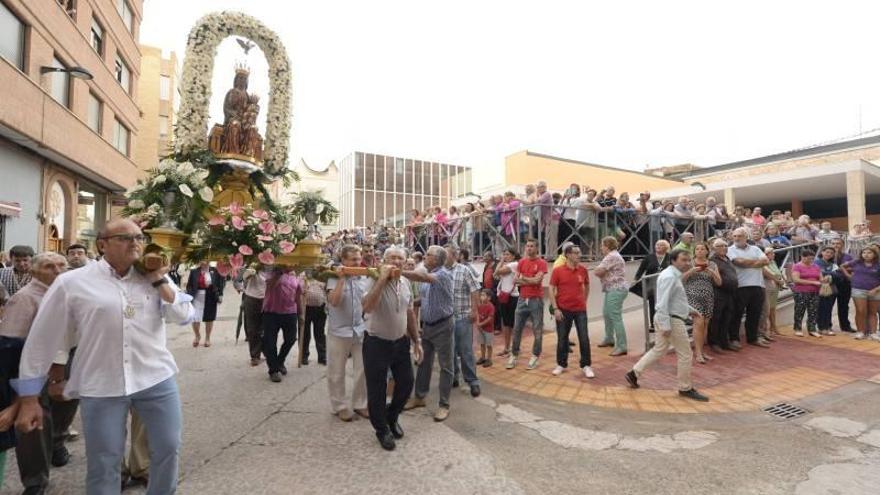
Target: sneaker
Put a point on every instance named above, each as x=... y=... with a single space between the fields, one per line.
x=875 y=337
x=632 y=379
x=345 y=415
x=829 y=333
x=511 y=362
x=859 y=336
x=60 y=456
x=735 y=345
x=441 y=414
x=798 y=333
x=533 y=363
x=693 y=394
x=413 y=403
x=558 y=370
x=588 y=372
x=487 y=363
x=815 y=334
x=275 y=377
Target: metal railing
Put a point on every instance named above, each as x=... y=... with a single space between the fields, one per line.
x=551 y=226
x=790 y=256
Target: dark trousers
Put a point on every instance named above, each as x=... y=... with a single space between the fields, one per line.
x=826 y=308
x=33 y=450
x=844 y=293
x=63 y=412
x=253 y=324
x=722 y=319
x=563 y=329
x=749 y=302
x=316 y=317
x=380 y=356
x=272 y=323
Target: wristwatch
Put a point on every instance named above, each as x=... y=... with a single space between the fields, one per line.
x=160 y=282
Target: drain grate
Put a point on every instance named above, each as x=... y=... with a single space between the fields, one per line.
x=785 y=411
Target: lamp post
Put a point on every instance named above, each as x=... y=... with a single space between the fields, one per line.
x=78 y=72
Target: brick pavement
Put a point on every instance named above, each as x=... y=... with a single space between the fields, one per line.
x=793 y=368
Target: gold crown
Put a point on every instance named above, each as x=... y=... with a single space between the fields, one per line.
x=242 y=68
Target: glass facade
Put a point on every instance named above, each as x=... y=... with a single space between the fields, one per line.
x=381 y=190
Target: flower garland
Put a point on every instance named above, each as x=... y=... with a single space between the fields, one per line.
x=241 y=235
x=191 y=194
x=198 y=69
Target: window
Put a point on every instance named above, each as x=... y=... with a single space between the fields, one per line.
x=163 y=127
x=60 y=84
x=164 y=87
x=11 y=37
x=125 y=12
x=120 y=137
x=97 y=37
x=95 y=113
x=69 y=7
x=123 y=74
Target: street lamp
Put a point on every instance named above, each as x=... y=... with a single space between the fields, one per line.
x=78 y=72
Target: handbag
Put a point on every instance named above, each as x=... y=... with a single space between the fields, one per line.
x=826 y=290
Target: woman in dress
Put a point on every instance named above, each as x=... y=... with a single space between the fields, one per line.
x=774 y=280
x=508 y=294
x=612 y=273
x=699 y=285
x=205 y=285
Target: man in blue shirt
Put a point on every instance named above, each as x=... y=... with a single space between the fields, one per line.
x=436 y=316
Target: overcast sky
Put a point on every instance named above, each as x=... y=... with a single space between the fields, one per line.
x=626 y=84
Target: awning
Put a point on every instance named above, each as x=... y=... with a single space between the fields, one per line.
x=10 y=209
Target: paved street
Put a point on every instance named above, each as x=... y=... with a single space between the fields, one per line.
x=244 y=434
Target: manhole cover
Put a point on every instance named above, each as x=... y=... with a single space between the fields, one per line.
x=785 y=411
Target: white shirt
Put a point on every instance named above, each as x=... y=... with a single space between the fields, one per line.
x=507 y=283
x=671 y=298
x=747 y=277
x=116 y=356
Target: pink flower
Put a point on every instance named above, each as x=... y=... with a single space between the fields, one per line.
x=284 y=228
x=223 y=268
x=235 y=208
x=266 y=257
x=265 y=238
x=267 y=227
x=237 y=223
x=236 y=261
x=245 y=250
x=261 y=214
x=286 y=246
x=214 y=221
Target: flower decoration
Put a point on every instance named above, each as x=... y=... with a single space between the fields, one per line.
x=165 y=197
x=198 y=69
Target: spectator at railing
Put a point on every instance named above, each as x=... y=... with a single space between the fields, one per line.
x=776 y=239
x=757 y=219
x=803 y=232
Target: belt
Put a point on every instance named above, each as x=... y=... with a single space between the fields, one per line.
x=437 y=322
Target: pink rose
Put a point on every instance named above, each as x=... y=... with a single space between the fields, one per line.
x=285 y=228
x=286 y=246
x=265 y=238
x=261 y=214
x=235 y=208
x=266 y=257
x=237 y=223
x=267 y=227
x=245 y=250
x=223 y=268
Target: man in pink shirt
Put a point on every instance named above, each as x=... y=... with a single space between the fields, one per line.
x=284 y=298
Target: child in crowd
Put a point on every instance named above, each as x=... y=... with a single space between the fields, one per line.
x=486 y=323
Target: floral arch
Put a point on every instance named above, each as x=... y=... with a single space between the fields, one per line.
x=198 y=69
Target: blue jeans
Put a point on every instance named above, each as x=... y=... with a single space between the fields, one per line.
x=463 y=345
x=528 y=308
x=103 y=420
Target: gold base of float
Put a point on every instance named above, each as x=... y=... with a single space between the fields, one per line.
x=307 y=254
x=233 y=189
x=170 y=239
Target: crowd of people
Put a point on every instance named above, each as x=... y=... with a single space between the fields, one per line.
x=389 y=324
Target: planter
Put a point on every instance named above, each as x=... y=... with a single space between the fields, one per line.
x=307 y=254
x=170 y=239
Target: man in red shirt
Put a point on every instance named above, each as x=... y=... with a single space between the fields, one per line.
x=529 y=278
x=569 y=288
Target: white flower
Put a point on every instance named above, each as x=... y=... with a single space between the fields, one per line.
x=185 y=190
x=159 y=179
x=206 y=193
x=136 y=204
x=137 y=187
x=166 y=165
x=185 y=169
x=202 y=174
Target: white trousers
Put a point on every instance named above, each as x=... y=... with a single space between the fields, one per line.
x=338 y=350
x=678 y=339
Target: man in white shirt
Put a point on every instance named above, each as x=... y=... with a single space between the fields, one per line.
x=254 y=290
x=671 y=311
x=115 y=316
x=749 y=262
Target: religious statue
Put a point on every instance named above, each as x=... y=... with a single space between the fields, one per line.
x=238 y=137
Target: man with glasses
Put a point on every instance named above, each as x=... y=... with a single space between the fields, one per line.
x=724 y=299
x=116 y=317
x=569 y=289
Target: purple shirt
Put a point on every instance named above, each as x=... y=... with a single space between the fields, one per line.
x=864 y=277
x=282 y=296
x=546 y=202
